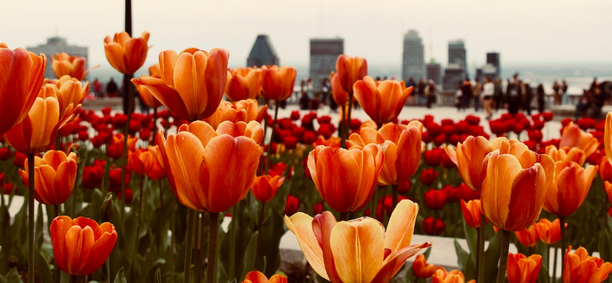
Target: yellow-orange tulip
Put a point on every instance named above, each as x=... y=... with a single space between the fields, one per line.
x=345 y=178
x=522 y=269
x=608 y=136
x=580 y=267
x=258 y=277
x=242 y=110
x=515 y=185
x=70 y=93
x=22 y=76
x=358 y=250
x=471 y=213
x=569 y=189
x=349 y=70
x=468 y=157
x=54 y=176
x=243 y=83
x=338 y=93
x=212 y=170
x=528 y=237
x=573 y=136
x=566 y=154
x=421 y=269
x=277 y=83
x=455 y=276
x=549 y=232
x=605 y=169
x=192 y=82
x=265 y=187
x=145 y=162
x=382 y=101
x=70 y=65
x=145 y=94
x=126 y=54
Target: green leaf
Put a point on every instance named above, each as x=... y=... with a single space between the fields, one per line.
x=43 y=269
x=249 y=255
x=120 y=278
x=605 y=246
x=462 y=255
x=13 y=276
x=492 y=257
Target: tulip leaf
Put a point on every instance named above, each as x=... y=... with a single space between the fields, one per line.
x=120 y=278
x=462 y=255
x=492 y=255
x=43 y=269
x=544 y=276
x=605 y=246
x=249 y=255
x=13 y=276
x=2 y=279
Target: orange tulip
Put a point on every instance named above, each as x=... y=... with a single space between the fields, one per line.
x=471 y=213
x=54 y=176
x=605 y=169
x=277 y=83
x=333 y=142
x=145 y=162
x=455 y=276
x=345 y=179
x=145 y=95
x=191 y=83
x=571 y=154
x=338 y=93
x=573 y=136
x=22 y=76
x=468 y=157
x=549 y=232
x=607 y=135
x=264 y=187
x=243 y=83
x=349 y=70
x=115 y=148
x=358 y=250
x=212 y=170
x=258 y=277
x=382 y=101
x=580 y=267
x=70 y=65
x=155 y=71
x=515 y=185
x=243 y=110
x=569 y=189
x=608 y=189
x=522 y=269
x=126 y=54
x=528 y=237
x=421 y=269
x=81 y=246
x=70 y=93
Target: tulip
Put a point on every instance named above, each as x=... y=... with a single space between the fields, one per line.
x=80 y=245
x=358 y=250
x=70 y=93
x=277 y=83
x=54 y=176
x=345 y=179
x=528 y=237
x=580 y=267
x=573 y=136
x=549 y=232
x=70 y=65
x=566 y=154
x=145 y=94
x=191 y=83
x=264 y=187
x=569 y=189
x=145 y=162
x=522 y=269
x=291 y=205
x=258 y=277
x=340 y=95
x=433 y=226
x=242 y=110
x=349 y=70
x=455 y=276
x=382 y=101
x=607 y=136
x=429 y=176
x=421 y=269
x=22 y=76
x=126 y=54
x=471 y=213
x=211 y=170
x=243 y=83
x=115 y=148
x=435 y=199
x=605 y=169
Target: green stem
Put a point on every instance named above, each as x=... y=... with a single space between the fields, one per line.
x=262 y=214
x=211 y=269
x=58 y=141
x=31 y=226
x=56 y=271
x=265 y=128
x=563 y=247
x=349 y=113
x=73 y=279
x=267 y=161
x=188 y=237
x=480 y=256
x=503 y=258
x=128 y=92
x=172 y=245
x=554 y=274
x=343 y=216
x=395 y=192
x=232 y=247
x=143 y=180
x=200 y=261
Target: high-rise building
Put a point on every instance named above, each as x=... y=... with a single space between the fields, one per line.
x=323 y=55
x=457 y=55
x=493 y=59
x=434 y=73
x=413 y=59
x=453 y=75
x=56 y=45
x=262 y=53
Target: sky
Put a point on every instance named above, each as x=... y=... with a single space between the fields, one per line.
x=523 y=31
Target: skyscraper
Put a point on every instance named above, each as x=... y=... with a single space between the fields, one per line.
x=413 y=59
x=56 y=45
x=457 y=55
x=493 y=59
x=262 y=53
x=323 y=55
x=434 y=73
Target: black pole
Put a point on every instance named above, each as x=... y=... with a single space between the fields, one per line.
x=127 y=84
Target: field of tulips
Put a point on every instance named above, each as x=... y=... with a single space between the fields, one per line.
x=203 y=189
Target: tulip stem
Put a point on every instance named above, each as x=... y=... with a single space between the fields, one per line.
x=143 y=183
x=200 y=260
x=129 y=96
x=262 y=214
x=161 y=200
x=503 y=258
x=395 y=192
x=188 y=238
x=554 y=274
x=480 y=256
x=267 y=159
x=56 y=271
x=261 y=168
x=343 y=216
x=211 y=269
x=349 y=113
x=154 y=126
x=232 y=244
x=31 y=226
x=58 y=141
x=562 y=231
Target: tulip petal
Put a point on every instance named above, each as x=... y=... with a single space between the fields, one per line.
x=79 y=242
x=527 y=198
x=100 y=251
x=301 y=225
x=401 y=225
x=185 y=153
x=395 y=261
x=58 y=229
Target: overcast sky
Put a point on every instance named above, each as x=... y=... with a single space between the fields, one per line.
x=523 y=31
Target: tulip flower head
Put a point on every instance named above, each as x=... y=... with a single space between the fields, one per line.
x=580 y=267
x=382 y=101
x=455 y=276
x=528 y=237
x=277 y=82
x=566 y=154
x=243 y=83
x=549 y=232
x=358 y=250
x=265 y=187
x=471 y=213
x=522 y=269
x=54 y=176
x=573 y=136
x=422 y=269
x=608 y=136
x=145 y=162
x=349 y=70
x=243 y=110
x=126 y=54
x=340 y=95
x=258 y=277
x=70 y=65
x=80 y=245
x=570 y=188
x=70 y=93
x=145 y=94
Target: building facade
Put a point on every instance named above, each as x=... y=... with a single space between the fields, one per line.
x=56 y=45
x=323 y=55
x=453 y=75
x=457 y=55
x=434 y=73
x=493 y=59
x=262 y=53
x=413 y=59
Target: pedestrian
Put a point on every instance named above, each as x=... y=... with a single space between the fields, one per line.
x=430 y=93
x=498 y=95
x=476 y=91
x=420 y=90
x=466 y=94
x=111 y=88
x=459 y=96
x=527 y=97
x=541 y=95
x=514 y=95
x=325 y=89
x=556 y=93
x=564 y=95
x=488 y=90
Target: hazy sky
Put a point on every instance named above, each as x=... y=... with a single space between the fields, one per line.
x=524 y=31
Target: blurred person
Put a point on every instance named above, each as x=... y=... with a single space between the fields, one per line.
x=528 y=97
x=325 y=89
x=514 y=95
x=466 y=94
x=144 y=108
x=410 y=82
x=556 y=93
x=584 y=104
x=564 y=96
x=498 y=95
x=488 y=90
x=598 y=102
x=315 y=102
x=541 y=98
x=112 y=88
x=420 y=90
x=476 y=92
x=97 y=87
x=430 y=93
x=459 y=96
x=304 y=101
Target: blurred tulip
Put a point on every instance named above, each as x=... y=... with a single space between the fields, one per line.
x=22 y=76
x=580 y=267
x=243 y=83
x=569 y=189
x=471 y=213
x=144 y=162
x=573 y=136
x=435 y=199
x=339 y=95
x=433 y=156
x=54 y=176
x=429 y=176
x=528 y=237
x=5 y=153
x=70 y=93
x=433 y=226
x=455 y=276
x=212 y=170
x=264 y=188
x=358 y=250
x=349 y=70
x=291 y=205
x=70 y=65
x=81 y=246
x=126 y=54
x=115 y=148
x=277 y=83
x=605 y=169
x=258 y=277
x=607 y=136
x=421 y=269
x=568 y=154
x=468 y=157
x=382 y=101
x=522 y=269
x=242 y=110
x=191 y=83
x=549 y=232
